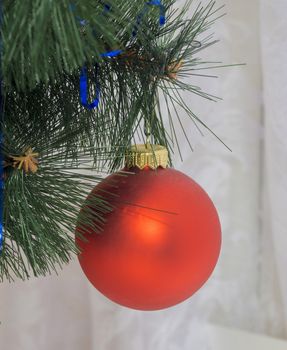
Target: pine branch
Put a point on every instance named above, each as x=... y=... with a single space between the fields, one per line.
x=143 y=72
x=42 y=38
x=41 y=208
x=43 y=112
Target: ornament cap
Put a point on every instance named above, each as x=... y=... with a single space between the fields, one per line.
x=147 y=155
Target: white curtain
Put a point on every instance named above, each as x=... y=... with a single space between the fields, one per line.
x=274 y=58
x=248 y=289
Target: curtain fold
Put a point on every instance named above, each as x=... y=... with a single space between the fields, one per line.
x=274 y=69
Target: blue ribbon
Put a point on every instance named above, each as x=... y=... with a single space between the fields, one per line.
x=158 y=3
x=84 y=90
x=162 y=18
x=110 y=54
x=107 y=8
x=84 y=83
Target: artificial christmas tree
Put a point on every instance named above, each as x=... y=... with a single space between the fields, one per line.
x=80 y=82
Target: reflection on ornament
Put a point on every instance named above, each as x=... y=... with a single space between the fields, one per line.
x=160 y=243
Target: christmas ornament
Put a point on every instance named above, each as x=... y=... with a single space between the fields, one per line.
x=161 y=241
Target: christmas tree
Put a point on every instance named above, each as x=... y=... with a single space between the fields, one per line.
x=81 y=82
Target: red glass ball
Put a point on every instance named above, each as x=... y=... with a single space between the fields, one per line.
x=159 y=245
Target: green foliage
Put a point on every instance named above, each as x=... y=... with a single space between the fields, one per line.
x=40 y=209
x=43 y=52
x=141 y=86
x=42 y=38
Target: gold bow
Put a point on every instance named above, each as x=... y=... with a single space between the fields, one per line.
x=28 y=162
x=173 y=69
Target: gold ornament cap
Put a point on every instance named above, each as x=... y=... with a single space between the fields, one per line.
x=147 y=155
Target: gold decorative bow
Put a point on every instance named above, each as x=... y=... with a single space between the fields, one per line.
x=28 y=161
x=173 y=69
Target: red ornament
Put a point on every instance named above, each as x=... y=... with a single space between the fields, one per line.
x=159 y=245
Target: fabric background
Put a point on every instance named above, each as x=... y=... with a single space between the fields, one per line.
x=248 y=289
